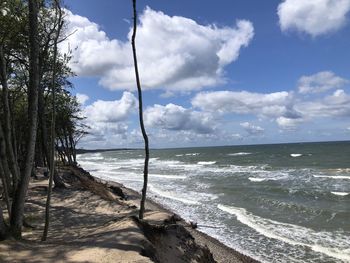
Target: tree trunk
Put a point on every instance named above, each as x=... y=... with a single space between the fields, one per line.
x=42 y=123
x=144 y=134
x=53 y=123
x=7 y=116
x=3 y=227
x=21 y=192
x=6 y=193
x=4 y=164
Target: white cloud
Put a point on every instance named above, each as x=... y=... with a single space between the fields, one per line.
x=335 y=105
x=320 y=82
x=82 y=98
x=265 y=105
x=288 y=123
x=252 y=129
x=177 y=118
x=107 y=121
x=111 y=111
x=175 y=53
x=314 y=17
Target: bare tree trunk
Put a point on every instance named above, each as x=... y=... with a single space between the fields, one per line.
x=7 y=116
x=53 y=122
x=3 y=227
x=144 y=134
x=6 y=193
x=21 y=192
x=4 y=164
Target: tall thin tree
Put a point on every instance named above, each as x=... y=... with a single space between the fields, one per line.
x=21 y=191
x=53 y=119
x=143 y=130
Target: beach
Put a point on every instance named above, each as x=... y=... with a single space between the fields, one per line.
x=96 y=221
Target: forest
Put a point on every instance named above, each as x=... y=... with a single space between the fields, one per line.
x=40 y=120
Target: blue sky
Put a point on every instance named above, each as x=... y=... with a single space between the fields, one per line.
x=214 y=72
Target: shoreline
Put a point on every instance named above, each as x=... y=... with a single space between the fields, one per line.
x=95 y=220
x=220 y=251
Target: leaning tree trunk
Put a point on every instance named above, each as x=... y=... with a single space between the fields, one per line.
x=21 y=192
x=144 y=134
x=53 y=123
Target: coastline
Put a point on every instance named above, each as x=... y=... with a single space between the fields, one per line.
x=93 y=220
x=221 y=252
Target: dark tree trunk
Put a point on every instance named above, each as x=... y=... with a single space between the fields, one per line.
x=42 y=123
x=144 y=134
x=5 y=187
x=6 y=173
x=21 y=192
x=3 y=227
x=7 y=116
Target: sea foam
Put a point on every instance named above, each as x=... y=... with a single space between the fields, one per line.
x=340 y=193
x=173 y=196
x=239 y=154
x=206 y=163
x=295 y=235
x=345 y=177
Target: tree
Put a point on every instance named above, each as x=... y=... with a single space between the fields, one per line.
x=21 y=191
x=143 y=130
x=53 y=119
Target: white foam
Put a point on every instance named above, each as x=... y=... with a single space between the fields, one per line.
x=340 y=193
x=332 y=244
x=239 y=154
x=168 y=176
x=179 y=155
x=253 y=179
x=345 y=177
x=207 y=163
x=192 y=154
x=173 y=196
x=295 y=155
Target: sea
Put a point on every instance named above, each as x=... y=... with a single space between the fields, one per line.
x=275 y=203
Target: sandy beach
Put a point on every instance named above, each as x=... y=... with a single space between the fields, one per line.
x=96 y=221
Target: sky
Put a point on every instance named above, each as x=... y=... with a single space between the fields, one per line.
x=212 y=72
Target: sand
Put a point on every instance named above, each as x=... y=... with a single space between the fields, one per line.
x=92 y=221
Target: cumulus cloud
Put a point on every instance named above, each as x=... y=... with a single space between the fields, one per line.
x=82 y=98
x=111 y=111
x=107 y=120
x=175 y=53
x=320 y=82
x=335 y=105
x=243 y=102
x=177 y=118
x=252 y=129
x=314 y=17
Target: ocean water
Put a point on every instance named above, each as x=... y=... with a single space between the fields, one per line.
x=275 y=203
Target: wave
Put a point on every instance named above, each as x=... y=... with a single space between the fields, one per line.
x=296 y=155
x=173 y=196
x=168 y=176
x=322 y=242
x=239 y=154
x=179 y=155
x=253 y=179
x=192 y=154
x=345 y=177
x=340 y=193
x=207 y=163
